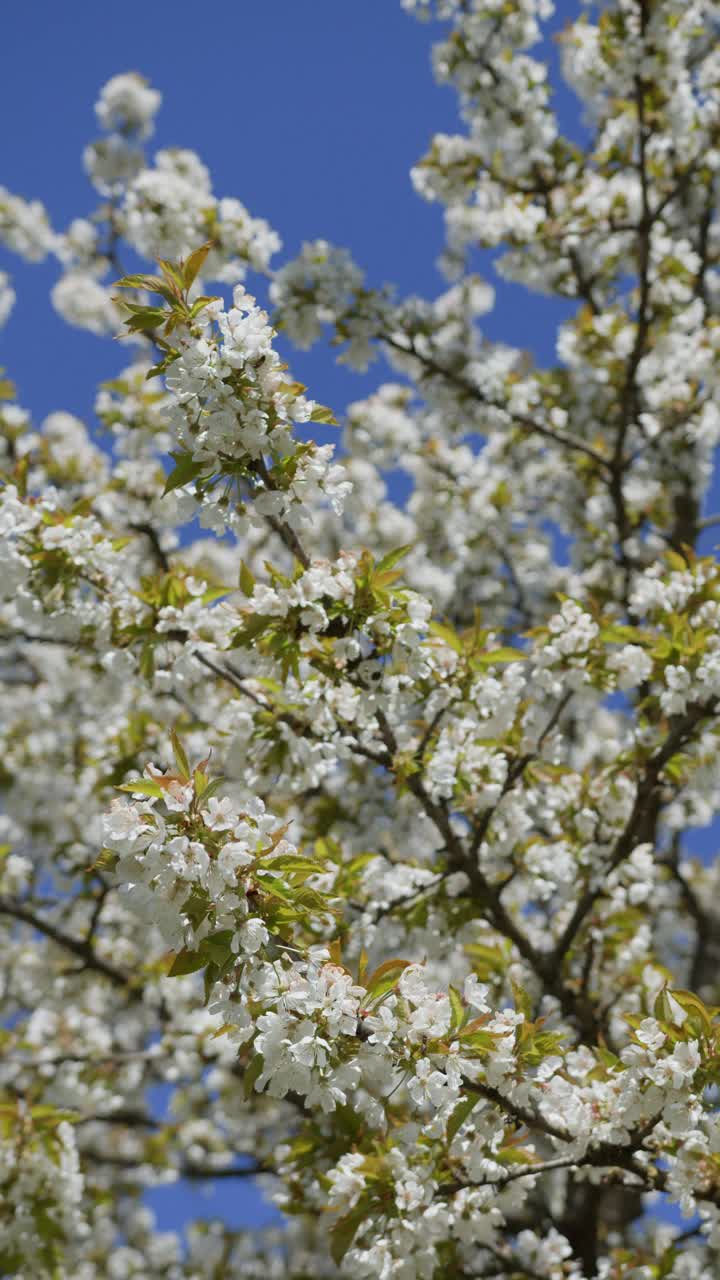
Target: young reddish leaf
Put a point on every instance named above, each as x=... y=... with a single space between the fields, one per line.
x=174 y=277
x=385 y=977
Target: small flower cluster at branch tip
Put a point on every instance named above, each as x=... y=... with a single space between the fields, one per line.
x=231 y=409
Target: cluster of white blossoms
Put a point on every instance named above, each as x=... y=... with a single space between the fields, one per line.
x=41 y=1191
x=164 y=207
x=423 y=942
x=167 y=208
x=56 y=566
x=7 y=297
x=128 y=104
x=316 y=289
x=231 y=408
x=24 y=227
x=170 y=209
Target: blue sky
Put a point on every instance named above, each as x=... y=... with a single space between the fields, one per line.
x=311 y=112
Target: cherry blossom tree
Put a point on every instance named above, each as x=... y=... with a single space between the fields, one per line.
x=362 y=826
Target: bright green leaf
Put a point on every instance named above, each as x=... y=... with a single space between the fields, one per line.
x=459 y=1115
x=143 y=787
x=186 y=962
x=194 y=262
x=344 y=1231
x=185 y=470
x=322 y=414
x=181 y=760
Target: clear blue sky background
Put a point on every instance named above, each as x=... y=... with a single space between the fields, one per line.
x=312 y=113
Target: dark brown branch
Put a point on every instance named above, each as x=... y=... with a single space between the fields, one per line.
x=283 y=530
x=646 y=800
x=192 y=1172
x=153 y=538
x=703 y=929
x=515 y=772
x=526 y=423
x=76 y=946
x=485 y=894
x=531 y=1119
x=299 y=726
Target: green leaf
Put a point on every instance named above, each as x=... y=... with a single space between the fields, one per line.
x=157 y=369
x=174 y=277
x=522 y=1000
x=322 y=414
x=181 y=760
x=495 y=656
x=105 y=861
x=185 y=470
x=450 y=637
x=356 y=864
x=662 y=1008
x=667 y=1263
x=253 y=1073
x=458 y=1010
x=210 y=977
x=609 y=1060
x=215 y=593
x=621 y=634
x=211 y=789
x=218 y=945
x=146 y=323
x=143 y=787
x=246 y=579
x=277 y=888
x=201 y=782
x=344 y=1231
x=481 y=1041
x=142 y=316
x=186 y=962
x=251 y=628
x=193 y=263
x=488 y=960
x=697 y=1013
x=385 y=977
x=45 y=1113
x=292 y=862
x=392 y=558
x=200 y=304
x=459 y=1115
x=515 y=1155
x=150 y=283
x=146 y=665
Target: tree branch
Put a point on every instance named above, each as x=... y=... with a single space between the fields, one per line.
x=76 y=946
